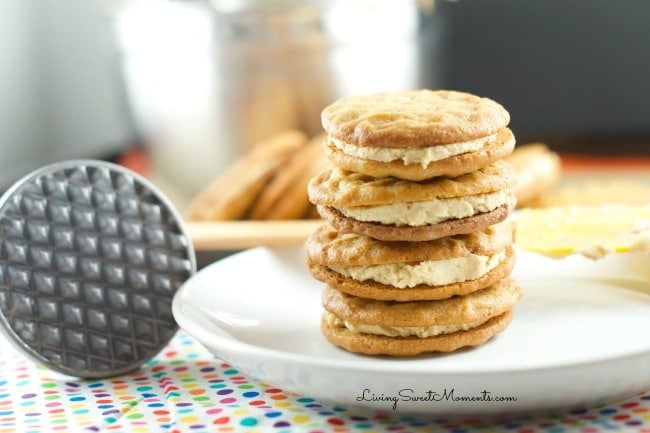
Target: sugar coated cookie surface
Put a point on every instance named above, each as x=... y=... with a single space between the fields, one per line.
x=413 y=118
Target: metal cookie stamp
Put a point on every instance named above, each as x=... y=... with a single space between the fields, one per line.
x=91 y=256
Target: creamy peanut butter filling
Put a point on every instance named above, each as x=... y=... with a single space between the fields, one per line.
x=428 y=212
x=432 y=272
x=399 y=331
x=410 y=155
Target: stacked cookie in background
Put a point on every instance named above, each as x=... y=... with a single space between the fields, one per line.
x=269 y=182
x=417 y=252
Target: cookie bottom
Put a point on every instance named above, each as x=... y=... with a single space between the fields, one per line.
x=369 y=344
x=498 y=148
x=387 y=232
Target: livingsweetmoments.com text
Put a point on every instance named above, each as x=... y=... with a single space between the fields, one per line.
x=410 y=395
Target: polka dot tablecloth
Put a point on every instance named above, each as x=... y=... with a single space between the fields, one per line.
x=185 y=389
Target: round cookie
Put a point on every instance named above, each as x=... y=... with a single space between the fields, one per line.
x=409 y=328
x=413 y=118
x=495 y=147
x=341 y=188
x=368 y=344
x=415 y=234
x=233 y=192
x=398 y=271
x=285 y=196
x=416 y=135
x=537 y=167
x=595 y=191
x=393 y=209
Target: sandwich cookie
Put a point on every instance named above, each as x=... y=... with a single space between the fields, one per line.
x=374 y=327
x=231 y=195
x=416 y=135
x=411 y=271
x=393 y=209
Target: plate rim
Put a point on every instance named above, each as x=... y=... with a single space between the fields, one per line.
x=234 y=345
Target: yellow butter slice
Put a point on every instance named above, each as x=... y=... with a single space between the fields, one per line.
x=592 y=231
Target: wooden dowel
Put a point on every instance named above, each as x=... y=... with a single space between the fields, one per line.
x=234 y=235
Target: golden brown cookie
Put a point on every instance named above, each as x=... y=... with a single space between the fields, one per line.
x=593 y=190
x=496 y=147
x=368 y=344
x=416 y=135
x=411 y=271
x=285 y=196
x=341 y=188
x=393 y=209
x=311 y=213
x=409 y=328
x=233 y=192
x=537 y=167
x=413 y=118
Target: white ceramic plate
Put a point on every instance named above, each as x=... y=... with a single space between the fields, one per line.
x=579 y=336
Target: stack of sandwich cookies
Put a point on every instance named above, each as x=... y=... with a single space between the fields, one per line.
x=417 y=252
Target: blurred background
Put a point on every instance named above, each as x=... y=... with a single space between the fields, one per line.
x=188 y=85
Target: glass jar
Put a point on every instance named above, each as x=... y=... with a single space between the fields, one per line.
x=207 y=81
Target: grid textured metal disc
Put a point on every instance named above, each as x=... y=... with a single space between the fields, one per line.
x=91 y=256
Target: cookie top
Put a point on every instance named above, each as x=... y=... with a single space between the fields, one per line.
x=413 y=118
x=476 y=306
x=339 y=188
x=333 y=248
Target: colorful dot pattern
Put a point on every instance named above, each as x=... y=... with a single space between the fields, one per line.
x=186 y=389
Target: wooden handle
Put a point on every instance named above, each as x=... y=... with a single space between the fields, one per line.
x=235 y=235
